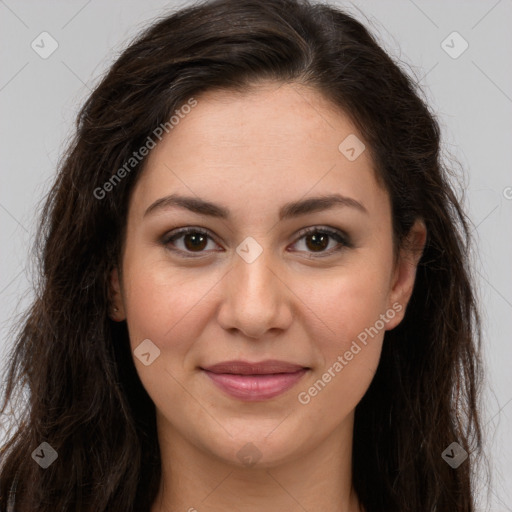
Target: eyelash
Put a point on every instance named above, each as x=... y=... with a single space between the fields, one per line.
x=339 y=236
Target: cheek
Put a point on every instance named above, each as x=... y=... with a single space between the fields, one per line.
x=349 y=343
x=160 y=298
x=351 y=300
x=167 y=308
x=164 y=307
x=352 y=307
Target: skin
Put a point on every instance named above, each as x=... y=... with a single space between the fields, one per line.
x=252 y=153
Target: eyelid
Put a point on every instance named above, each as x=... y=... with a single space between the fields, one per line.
x=339 y=235
x=180 y=232
x=335 y=233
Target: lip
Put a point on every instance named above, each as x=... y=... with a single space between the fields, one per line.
x=255 y=381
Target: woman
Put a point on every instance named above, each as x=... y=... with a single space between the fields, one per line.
x=255 y=293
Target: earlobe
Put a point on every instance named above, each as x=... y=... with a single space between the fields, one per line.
x=116 y=305
x=405 y=271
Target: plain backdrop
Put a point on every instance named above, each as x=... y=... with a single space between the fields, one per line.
x=470 y=90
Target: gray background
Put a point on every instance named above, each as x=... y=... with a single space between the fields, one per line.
x=472 y=94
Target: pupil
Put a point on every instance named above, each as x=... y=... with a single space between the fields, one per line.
x=322 y=238
x=197 y=239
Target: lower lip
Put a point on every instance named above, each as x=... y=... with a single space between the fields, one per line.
x=252 y=388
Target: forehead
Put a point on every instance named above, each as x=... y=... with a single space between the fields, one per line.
x=276 y=117
x=275 y=141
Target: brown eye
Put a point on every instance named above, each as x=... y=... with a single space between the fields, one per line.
x=195 y=241
x=320 y=241
x=317 y=241
x=188 y=240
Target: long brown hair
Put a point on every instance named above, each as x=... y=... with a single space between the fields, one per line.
x=84 y=396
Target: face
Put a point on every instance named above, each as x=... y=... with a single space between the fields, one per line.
x=268 y=273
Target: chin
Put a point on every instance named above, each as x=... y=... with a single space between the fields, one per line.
x=259 y=450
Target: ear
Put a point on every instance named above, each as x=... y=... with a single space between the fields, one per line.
x=404 y=274
x=116 y=304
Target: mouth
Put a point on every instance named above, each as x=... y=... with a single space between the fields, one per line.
x=255 y=381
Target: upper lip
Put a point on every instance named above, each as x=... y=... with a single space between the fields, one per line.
x=268 y=366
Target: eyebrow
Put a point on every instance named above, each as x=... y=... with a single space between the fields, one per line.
x=287 y=211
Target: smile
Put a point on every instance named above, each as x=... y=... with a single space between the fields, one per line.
x=255 y=381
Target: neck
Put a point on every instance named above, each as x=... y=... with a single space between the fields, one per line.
x=193 y=479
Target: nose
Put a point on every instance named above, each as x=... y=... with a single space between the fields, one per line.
x=255 y=298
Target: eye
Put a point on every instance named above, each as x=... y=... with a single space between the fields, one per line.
x=195 y=240
x=317 y=240
x=190 y=240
